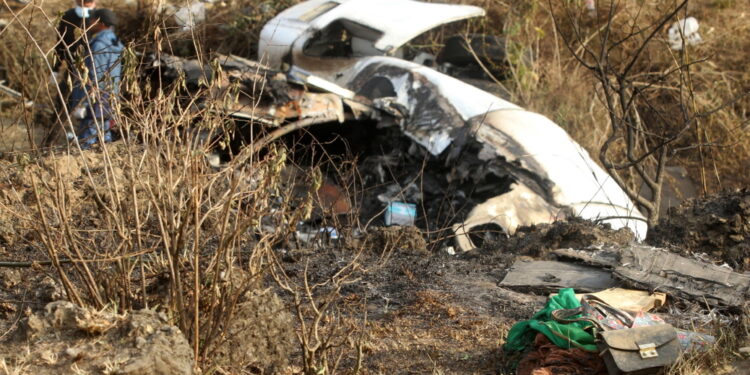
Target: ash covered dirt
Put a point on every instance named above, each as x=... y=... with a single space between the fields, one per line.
x=718 y=225
x=426 y=309
x=537 y=240
x=430 y=309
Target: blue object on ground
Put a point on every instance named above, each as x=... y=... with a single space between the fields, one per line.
x=399 y=213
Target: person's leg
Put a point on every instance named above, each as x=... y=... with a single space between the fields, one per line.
x=87 y=133
x=90 y=129
x=97 y=121
x=77 y=97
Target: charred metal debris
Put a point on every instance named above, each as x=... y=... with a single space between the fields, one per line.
x=343 y=77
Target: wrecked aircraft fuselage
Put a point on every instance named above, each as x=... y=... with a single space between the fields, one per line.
x=554 y=177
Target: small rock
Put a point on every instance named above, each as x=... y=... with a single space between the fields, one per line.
x=162 y=316
x=9 y=278
x=140 y=342
x=8 y=308
x=8 y=233
x=49 y=290
x=73 y=354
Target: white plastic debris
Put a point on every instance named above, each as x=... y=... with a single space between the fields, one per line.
x=450 y=250
x=319 y=235
x=684 y=31
x=191 y=15
x=213 y=159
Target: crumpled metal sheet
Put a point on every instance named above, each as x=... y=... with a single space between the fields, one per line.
x=516 y=208
x=553 y=173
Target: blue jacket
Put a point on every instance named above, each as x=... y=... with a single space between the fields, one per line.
x=104 y=61
x=104 y=69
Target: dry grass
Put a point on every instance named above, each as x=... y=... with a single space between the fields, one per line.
x=545 y=78
x=721 y=358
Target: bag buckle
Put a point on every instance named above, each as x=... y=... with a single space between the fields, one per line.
x=648 y=350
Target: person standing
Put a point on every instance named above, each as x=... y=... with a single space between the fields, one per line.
x=102 y=61
x=70 y=32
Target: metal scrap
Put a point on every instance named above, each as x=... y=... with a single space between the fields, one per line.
x=657 y=269
x=354 y=46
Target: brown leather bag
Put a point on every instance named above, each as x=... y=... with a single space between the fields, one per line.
x=628 y=351
x=642 y=350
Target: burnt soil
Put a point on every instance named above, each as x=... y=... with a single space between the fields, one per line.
x=718 y=226
x=427 y=311
x=432 y=311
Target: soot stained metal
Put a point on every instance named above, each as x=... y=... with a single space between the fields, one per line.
x=352 y=53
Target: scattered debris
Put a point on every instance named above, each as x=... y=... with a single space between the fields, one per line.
x=347 y=66
x=628 y=299
x=354 y=46
x=323 y=235
x=684 y=31
x=657 y=269
x=190 y=15
x=394 y=193
x=641 y=343
x=545 y=276
x=15 y=94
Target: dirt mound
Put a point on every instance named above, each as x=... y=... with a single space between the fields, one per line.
x=536 y=240
x=717 y=225
x=66 y=338
x=260 y=335
x=385 y=240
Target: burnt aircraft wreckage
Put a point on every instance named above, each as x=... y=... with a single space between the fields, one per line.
x=450 y=146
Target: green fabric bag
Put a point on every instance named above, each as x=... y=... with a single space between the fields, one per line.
x=566 y=336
